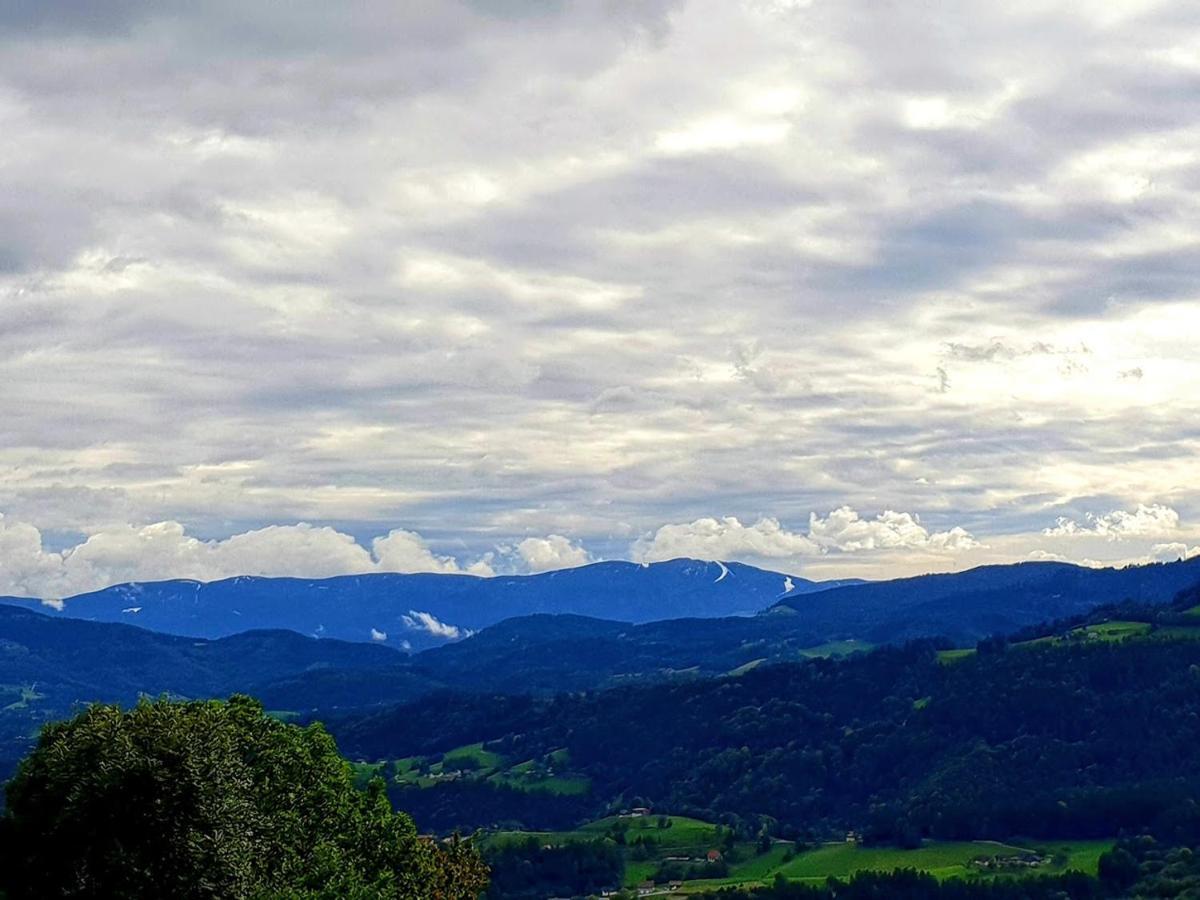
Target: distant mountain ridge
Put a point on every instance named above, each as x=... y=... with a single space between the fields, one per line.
x=551 y=653
x=976 y=603
x=416 y=611
x=50 y=661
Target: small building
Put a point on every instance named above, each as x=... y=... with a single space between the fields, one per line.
x=646 y=887
x=714 y=855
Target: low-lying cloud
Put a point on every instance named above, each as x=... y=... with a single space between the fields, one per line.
x=551 y=552
x=838 y=544
x=1154 y=520
x=165 y=550
x=723 y=539
x=429 y=623
x=843 y=531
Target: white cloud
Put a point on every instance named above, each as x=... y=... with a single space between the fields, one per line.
x=1173 y=551
x=1154 y=520
x=406 y=551
x=23 y=561
x=441 y=279
x=377 y=635
x=423 y=621
x=843 y=529
x=719 y=539
x=551 y=552
x=164 y=550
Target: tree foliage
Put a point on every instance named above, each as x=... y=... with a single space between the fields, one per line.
x=1072 y=739
x=210 y=800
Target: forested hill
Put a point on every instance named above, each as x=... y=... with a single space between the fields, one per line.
x=1080 y=735
x=546 y=654
x=424 y=610
x=967 y=606
x=50 y=665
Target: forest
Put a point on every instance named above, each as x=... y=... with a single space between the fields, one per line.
x=1045 y=737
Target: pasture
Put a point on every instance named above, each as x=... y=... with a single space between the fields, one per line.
x=688 y=842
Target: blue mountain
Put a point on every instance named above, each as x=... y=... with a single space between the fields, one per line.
x=966 y=606
x=424 y=610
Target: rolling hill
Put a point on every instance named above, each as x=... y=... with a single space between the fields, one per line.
x=48 y=665
x=1079 y=735
x=967 y=606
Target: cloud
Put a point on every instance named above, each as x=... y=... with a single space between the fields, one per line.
x=1154 y=520
x=844 y=530
x=406 y=551
x=377 y=635
x=582 y=269
x=721 y=539
x=427 y=622
x=164 y=550
x=551 y=552
x=1173 y=551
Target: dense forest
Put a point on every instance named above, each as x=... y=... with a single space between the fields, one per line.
x=1048 y=738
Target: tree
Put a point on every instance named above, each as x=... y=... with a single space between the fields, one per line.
x=210 y=800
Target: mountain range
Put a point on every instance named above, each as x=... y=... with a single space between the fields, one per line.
x=71 y=659
x=416 y=611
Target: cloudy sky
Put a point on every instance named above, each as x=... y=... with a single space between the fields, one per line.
x=832 y=286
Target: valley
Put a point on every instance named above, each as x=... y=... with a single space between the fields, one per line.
x=692 y=756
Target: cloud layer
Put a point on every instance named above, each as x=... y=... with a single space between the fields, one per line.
x=680 y=272
x=836 y=543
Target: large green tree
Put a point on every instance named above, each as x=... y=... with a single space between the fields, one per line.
x=206 y=800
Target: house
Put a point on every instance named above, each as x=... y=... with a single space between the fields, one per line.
x=675 y=885
x=646 y=887
x=714 y=856
x=639 y=812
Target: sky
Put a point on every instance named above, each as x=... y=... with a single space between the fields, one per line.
x=835 y=287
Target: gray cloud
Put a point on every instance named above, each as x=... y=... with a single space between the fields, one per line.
x=499 y=271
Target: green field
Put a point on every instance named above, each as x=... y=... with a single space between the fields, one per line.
x=472 y=753
x=837 y=648
x=946 y=657
x=1119 y=630
x=551 y=774
x=940 y=859
x=746 y=667
x=1114 y=631
x=693 y=838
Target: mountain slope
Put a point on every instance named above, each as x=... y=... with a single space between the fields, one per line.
x=967 y=606
x=1077 y=737
x=550 y=653
x=544 y=654
x=50 y=664
x=423 y=610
